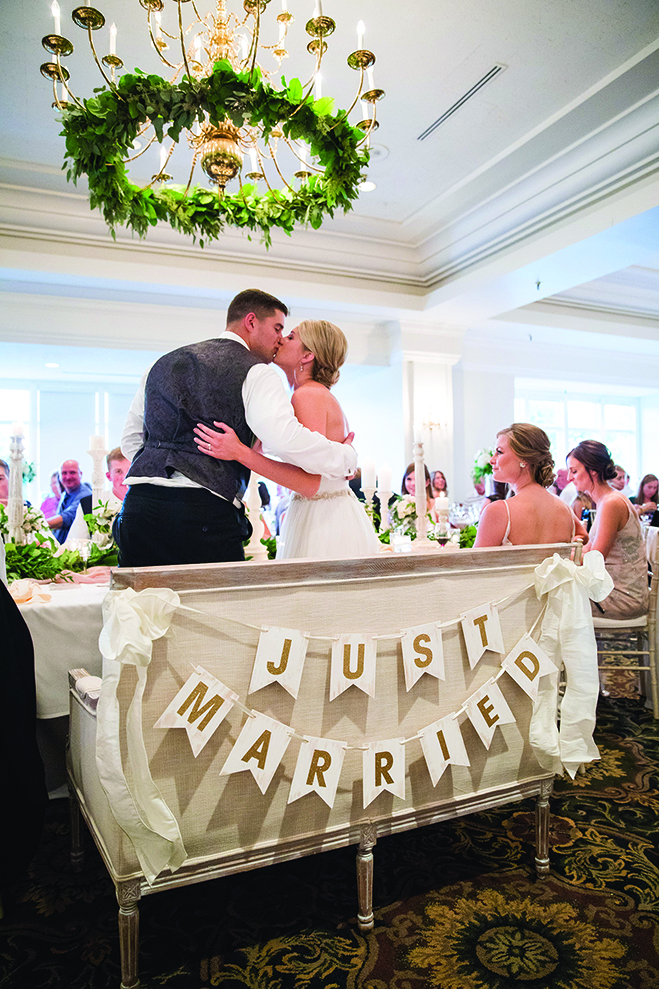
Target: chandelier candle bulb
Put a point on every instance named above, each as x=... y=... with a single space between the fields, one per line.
x=318 y=87
x=252 y=158
x=113 y=39
x=282 y=32
x=284 y=6
x=158 y=26
x=55 y=12
x=163 y=157
x=361 y=32
x=369 y=73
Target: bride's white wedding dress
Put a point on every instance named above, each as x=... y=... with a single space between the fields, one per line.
x=332 y=525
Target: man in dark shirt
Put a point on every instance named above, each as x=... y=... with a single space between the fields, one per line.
x=74 y=489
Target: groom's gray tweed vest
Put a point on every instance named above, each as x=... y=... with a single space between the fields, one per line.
x=199 y=383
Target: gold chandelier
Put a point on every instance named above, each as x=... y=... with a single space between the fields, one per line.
x=190 y=44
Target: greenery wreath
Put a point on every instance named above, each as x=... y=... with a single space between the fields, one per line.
x=100 y=133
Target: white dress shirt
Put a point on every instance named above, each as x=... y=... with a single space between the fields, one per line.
x=269 y=414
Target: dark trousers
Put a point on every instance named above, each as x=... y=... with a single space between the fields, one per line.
x=160 y=526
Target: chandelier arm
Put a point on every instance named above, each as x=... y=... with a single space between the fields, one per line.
x=194 y=165
x=276 y=164
x=155 y=45
x=101 y=69
x=353 y=104
x=182 y=39
x=255 y=35
x=306 y=164
x=194 y=7
x=140 y=153
x=66 y=85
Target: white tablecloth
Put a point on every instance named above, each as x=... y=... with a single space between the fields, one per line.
x=65 y=633
x=651 y=535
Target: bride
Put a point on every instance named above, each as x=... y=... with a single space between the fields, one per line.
x=324 y=520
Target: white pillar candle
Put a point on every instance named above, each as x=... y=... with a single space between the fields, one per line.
x=54 y=9
x=368 y=474
x=97 y=443
x=384 y=478
x=18 y=429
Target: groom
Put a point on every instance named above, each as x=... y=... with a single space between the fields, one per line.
x=183 y=506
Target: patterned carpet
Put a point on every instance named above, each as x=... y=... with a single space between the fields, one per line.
x=457 y=905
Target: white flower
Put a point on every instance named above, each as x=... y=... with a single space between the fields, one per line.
x=406 y=506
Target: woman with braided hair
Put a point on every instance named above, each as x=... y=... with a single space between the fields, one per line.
x=522 y=459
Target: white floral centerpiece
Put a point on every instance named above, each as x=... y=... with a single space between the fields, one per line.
x=403 y=515
x=33 y=522
x=99 y=522
x=482 y=465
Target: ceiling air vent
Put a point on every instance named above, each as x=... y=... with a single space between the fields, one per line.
x=488 y=77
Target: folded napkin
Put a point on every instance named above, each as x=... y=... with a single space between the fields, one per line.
x=78 y=528
x=89 y=689
x=28 y=591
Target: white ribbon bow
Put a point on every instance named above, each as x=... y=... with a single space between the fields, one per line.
x=568 y=639
x=132 y=621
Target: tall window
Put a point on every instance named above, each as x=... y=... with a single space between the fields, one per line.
x=569 y=415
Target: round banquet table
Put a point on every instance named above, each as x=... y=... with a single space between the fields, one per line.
x=65 y=633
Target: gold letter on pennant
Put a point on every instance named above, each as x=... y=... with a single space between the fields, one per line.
x=206 y=712
x=424 y=637
x=535 y=667
x=486 y=707
x=320 y=763
x=259 y=749
x=285 y=653
x=481 y=624
x=443 y=746
x=383 y=763
x=347 y=672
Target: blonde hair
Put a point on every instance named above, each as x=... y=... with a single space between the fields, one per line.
x=328 y=345
x=531 y=444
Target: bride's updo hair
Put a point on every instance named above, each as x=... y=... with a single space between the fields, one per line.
x=531 y=445
x=328 y=345
x=596 y=458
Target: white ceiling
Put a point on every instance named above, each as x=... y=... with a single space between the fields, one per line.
x=549 y=174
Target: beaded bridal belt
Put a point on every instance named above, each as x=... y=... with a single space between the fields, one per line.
x=326 y=495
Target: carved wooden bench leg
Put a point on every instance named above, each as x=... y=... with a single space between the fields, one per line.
x=128 y=897
x=77 y=845
x=367 y=840
x=542 y=814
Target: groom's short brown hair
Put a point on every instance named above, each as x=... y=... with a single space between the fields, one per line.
x=254 y=300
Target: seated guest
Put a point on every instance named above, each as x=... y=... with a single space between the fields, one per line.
x=74 y=489
x=522 y=459
x=117 y=469
x=408 y=486
x=621 y=481
x=49 y=504
x=646 y=498
x=4 y=482
x=616 y=532
x=439 y=485
x=479 y=499
x=583 y=502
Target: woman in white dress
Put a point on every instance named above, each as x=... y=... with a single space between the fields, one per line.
x=324 y=520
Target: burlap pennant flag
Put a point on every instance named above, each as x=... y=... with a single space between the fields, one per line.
x=353 y=664
x=487 y=710
x=200 y=706
x=482 y=630
x=526 y=663
x=260 y=747
x=442 y=744
x=384 y=769
x=280 y=657
x=318 y=769
x=423 y=652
